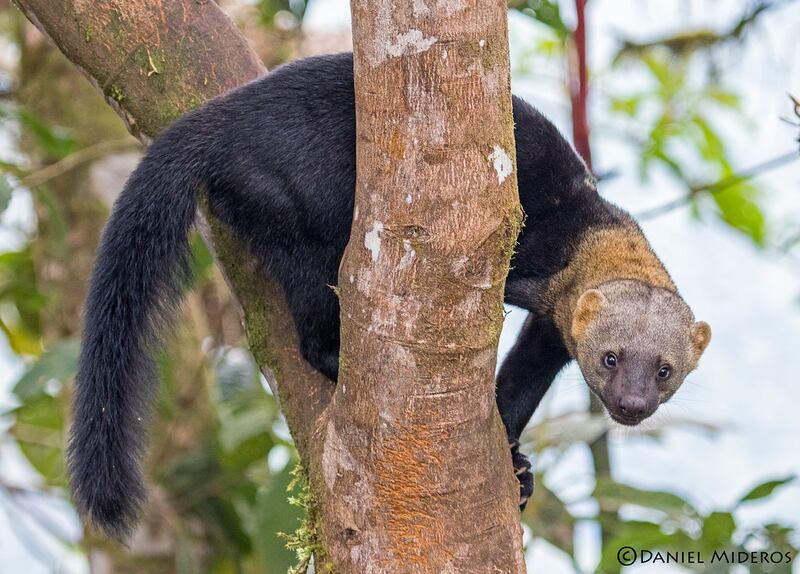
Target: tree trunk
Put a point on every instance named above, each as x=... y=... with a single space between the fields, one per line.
x=416 y=467
x=409 y=463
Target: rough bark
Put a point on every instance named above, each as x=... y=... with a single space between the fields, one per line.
x=416 y=468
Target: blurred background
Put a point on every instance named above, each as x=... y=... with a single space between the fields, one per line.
x=692 y=129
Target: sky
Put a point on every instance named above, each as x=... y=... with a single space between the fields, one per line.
x=747 y=383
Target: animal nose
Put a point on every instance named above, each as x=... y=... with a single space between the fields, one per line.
x=633 y=406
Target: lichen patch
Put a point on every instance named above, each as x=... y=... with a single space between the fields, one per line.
x=491 y=82
x=450 y=7
x=411 y=42
x=372 y=240
x=503 y=166
x=420 y=8
x=408 y=255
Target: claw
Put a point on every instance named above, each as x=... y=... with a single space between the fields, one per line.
x=522 y=470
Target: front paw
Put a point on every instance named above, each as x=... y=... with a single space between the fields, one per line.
x=522 y=468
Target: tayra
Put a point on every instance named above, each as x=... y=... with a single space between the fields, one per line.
x=276 y=159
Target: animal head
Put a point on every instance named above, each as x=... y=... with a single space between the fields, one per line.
x=635 y=344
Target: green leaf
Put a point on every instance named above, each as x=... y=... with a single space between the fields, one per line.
x=612 y=495
x=548 y=13
x=12 y=168
x=628 y=106
x=6 y=191
x=725 y=98
x=737 y=208
x=19 y=288
x=779 y=536
x=57 y=142
x=269 y=8
x=222 y=512
x=238 y=427
x=659 y=68
x=21 y=341
x=709 y=143
x=718 y=529
x=38 y=428
x=550 y=47
x=672 y=164
x=766 y=489
x=245 y=441
x=59 y=362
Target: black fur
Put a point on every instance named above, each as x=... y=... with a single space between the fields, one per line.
x=277 y=160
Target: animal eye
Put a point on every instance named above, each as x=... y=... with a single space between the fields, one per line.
x=664 y=371
x=610 y=360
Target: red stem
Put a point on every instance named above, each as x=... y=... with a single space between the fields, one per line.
x=579 y=87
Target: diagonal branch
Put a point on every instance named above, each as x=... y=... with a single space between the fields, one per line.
x=720 y=185
x=687 y=42
x=77 y=159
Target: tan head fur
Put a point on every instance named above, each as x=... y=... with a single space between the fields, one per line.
x=635 y=344
x=622 y=319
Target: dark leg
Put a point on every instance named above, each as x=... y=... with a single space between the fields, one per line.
x=268 y=217
x=306 y=278
x=526 y=374
x=315 y=310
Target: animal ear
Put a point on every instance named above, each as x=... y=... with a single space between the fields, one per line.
x=701 y=336
x=586 y=311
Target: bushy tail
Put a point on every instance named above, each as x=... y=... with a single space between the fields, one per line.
x=141 y=269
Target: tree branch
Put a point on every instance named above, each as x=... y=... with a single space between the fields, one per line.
x=74 y=160
x=579 y=87
x=688 y=42
x=720 y=185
